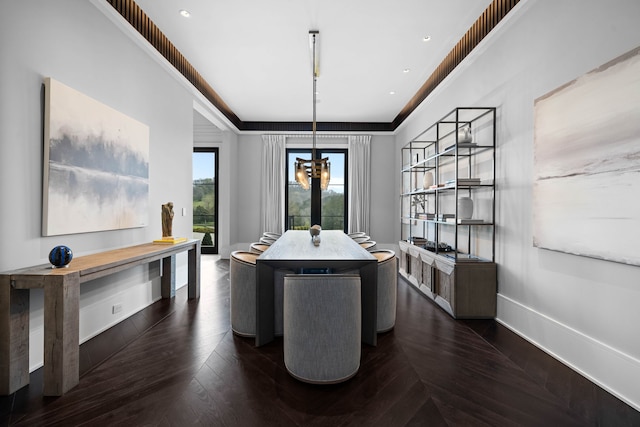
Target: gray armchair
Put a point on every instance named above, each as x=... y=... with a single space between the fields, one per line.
x=258 y=247
x=242 y=307
x=387 y=289
x=322 y=327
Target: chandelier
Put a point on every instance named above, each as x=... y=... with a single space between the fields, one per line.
x=314 y=168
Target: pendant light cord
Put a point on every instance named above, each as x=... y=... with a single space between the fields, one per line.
x=313 y=72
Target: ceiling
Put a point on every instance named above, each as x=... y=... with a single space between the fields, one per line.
x=255 y=53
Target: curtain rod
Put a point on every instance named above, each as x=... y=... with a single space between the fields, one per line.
x=296 y=135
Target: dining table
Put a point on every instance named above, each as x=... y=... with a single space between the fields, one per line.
x=336 y=253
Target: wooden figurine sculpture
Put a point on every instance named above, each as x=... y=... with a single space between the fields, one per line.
x=167 y=219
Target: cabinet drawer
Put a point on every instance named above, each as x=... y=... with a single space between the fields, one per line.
x=475 y=291
x=429 y=279
x=404 y=258
x=445 y=287
x=415 y=267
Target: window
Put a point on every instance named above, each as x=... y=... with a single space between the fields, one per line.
x=328 y=208
x=205 y=196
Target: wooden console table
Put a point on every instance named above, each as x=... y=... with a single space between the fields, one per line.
x=61 y=309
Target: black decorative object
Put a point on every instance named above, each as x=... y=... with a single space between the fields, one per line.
x=60 y=256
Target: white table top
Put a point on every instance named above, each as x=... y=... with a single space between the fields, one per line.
x=297 y=245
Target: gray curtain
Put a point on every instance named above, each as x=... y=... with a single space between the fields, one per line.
x=273 y=182
x=359 y=182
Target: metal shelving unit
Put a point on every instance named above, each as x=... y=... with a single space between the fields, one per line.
x=452 y=161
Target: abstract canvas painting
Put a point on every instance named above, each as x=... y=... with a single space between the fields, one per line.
x=96 y=165
x=586 y=190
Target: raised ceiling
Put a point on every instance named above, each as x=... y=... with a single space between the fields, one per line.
x=373 y=55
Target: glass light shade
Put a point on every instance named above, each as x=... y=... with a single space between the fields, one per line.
x=325 y=175
x=301 y=175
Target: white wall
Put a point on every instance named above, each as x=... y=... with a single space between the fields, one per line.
x=581 y=310
x=76 y=44
x=384 y=220
x=247 y=177
x=384 y=216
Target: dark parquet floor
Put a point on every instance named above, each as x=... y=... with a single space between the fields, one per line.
x=176 y=363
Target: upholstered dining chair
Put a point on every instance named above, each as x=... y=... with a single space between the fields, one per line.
x=267 y=240
x=322 y=327
x=387 y=289
x=279 y=275
x=242 y=279
x=360 y=239
x=369 y=245
x=357 y=234
x=271 y=235
x=258 y=247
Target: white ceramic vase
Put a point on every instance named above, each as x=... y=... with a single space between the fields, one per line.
x=464 y=134
x=427 y=180
x=465 y=208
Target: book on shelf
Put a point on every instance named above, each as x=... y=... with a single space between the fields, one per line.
x=461 y=182
x=444 y=217
x=463 y=221
x=425 y=215
x=468 y=181
x=169 y=240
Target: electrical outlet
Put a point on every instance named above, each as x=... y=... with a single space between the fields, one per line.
x=117 y=308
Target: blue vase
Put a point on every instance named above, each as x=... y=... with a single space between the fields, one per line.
x=60 y=256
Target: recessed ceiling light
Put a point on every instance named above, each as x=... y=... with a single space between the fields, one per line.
x=392 y=93
x=185 y=13
x=426 y=38
x=406 y=70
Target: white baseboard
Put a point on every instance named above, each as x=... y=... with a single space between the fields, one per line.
x=609 y=368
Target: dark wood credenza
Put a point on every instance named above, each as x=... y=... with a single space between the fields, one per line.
x=61 y=309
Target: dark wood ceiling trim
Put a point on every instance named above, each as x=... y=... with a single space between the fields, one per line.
x=483 y=25
x=320 y=126
x=139 y=20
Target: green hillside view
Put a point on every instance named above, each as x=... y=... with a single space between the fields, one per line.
x=298 y=209
x=203 y=205
x=299 y=212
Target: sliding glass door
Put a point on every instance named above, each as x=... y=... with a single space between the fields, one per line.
x=205 y=197
x=327 y=208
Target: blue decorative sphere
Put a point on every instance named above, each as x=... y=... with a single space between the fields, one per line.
x=60 y=256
